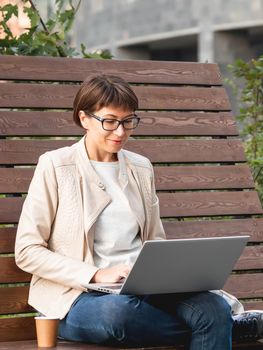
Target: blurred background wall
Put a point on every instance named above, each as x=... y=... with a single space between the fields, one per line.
x=182 y=30
x=185 y=30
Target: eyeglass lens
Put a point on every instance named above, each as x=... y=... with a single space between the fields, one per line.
x=112 y=124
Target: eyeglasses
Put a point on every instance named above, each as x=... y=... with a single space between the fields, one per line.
x=113 y=124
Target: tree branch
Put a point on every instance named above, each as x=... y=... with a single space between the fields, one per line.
x=40 y=18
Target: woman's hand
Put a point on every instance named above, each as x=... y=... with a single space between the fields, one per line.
x=112 y=274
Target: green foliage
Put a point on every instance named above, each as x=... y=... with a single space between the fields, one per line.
x=43 y=39
x=250 y=74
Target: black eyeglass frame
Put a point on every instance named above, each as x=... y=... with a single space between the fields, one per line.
x=120 y=122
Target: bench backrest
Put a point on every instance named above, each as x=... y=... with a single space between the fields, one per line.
x=187 y=130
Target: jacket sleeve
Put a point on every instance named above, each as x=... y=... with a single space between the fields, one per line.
x=156 y=230
x=31 y=248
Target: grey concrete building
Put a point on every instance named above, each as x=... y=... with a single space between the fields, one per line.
x=186 y=30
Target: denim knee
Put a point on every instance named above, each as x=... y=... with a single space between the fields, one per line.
x=219 y=310
x=122 y=316
x=207 y=310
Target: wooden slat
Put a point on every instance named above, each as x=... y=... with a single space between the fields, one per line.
x=56 y=123
x=13 y=300
x=178 y=229
x=7 y=239
x=16 y=180
x=62 y=96
x=183 y=98
x=10 y=273
x=189 y=151
x=10 y=209
x=202 y=177
x=253 y=305
x=215 y=228
x=209 y=204
x=20 y=328
x=173 y=205
x=160 y=151
x=251 y=259
x=135 y=71
x=27 y=151
x=245 y=285
x=38 y=123
x=186 y=123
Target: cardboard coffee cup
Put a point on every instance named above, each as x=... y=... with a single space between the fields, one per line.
x=46 y=328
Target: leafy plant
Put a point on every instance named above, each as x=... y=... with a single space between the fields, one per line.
x=48 y=38
x=250 y=75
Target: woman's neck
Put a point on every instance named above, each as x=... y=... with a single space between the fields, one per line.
x=100 y=156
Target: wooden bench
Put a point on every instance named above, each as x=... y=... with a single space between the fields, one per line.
x=188 y=132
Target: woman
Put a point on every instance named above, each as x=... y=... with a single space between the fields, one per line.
x=88 y=210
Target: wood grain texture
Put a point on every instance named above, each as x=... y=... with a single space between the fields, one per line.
x=209 y=204
x=253 y=305
x=245 y=285
x=134 y=71
x=13 y=300
x=10 y=273
x=178 y=229
x=150 y=97
x=56 y=123
x=215 y=228
x=186 y=123
x=10 y=209
x=7 y=239
x=20 y=328
x=251 y=259
x=158 y=151
x=202 y=177
x=181 y=204
x=189 y=151
x=17 y=180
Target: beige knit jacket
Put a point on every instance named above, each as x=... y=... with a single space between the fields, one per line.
x=55 y=233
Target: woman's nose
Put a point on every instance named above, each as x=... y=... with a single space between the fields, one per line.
x=120 y=130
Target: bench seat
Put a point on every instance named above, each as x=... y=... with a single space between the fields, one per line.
x=64 y=345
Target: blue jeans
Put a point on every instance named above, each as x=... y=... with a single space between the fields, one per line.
x=200 y=320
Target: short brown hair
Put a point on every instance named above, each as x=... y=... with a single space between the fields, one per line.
x=102 y=91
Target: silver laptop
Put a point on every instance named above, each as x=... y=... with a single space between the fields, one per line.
x=179 y=266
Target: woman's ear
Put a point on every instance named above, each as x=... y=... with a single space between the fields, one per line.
x=84 y=120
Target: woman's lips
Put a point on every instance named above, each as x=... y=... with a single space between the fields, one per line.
x=117 y=142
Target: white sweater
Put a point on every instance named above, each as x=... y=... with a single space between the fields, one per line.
x=116 y=239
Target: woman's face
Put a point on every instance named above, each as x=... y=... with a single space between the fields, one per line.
x=103 y=145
